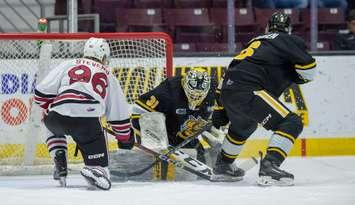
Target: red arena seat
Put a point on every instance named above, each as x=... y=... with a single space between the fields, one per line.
x=106 y=8
x=223 y=3
x=184 y=47
x=328 y=18
x=193 y=3
x=190 y=25
x=244 y=21
x=187 y=17
x=244 y=18
x=146 y=19
x=153 y=4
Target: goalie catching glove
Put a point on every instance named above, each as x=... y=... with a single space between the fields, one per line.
x=191 y=127
x=123 y=133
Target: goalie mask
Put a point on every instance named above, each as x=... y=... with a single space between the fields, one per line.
x=196 y=84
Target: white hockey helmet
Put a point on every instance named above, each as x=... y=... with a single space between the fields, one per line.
x=97 y=48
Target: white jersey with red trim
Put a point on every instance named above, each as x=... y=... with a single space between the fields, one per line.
x=83 y=88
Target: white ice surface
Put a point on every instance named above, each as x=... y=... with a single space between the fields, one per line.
x=318 y=181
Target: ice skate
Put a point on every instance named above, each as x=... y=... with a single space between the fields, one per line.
x=270 y=174
x=60 y=169
x=227 y=170
x=96 y=178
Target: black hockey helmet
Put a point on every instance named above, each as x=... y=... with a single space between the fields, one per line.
x=279 y=22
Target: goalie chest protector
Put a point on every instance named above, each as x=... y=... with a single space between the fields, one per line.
x=169 y=98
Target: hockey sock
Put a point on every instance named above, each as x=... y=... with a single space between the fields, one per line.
x=279 y=146
x=231 y=148
x=55 y=143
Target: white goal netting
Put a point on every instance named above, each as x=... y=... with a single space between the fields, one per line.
x=140 y=61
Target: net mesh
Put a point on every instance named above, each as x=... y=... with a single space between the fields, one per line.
x=139 y=63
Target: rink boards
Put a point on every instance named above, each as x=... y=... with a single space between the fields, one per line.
x=325 y=105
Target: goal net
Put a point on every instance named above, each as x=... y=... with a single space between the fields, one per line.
x=140 y=61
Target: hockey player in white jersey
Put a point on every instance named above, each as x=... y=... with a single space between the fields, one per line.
x=75 y=95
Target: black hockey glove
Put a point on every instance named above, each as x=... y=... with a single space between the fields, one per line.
x=219 y=118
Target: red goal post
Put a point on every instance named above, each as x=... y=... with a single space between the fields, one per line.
x=140 y=61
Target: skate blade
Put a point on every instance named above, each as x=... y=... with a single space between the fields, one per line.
x=62 y=181
x=268 y=181
x=224 y=178
x=100 y=182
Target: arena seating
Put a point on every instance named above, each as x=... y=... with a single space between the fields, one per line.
x=153 y=4
x=193 y=3
x=244 y=19
x=201 y=25
x=190 y=25
x=328 y=19
x=139 y=20
x=184 y=47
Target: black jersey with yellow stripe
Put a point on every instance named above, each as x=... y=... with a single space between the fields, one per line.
x=270 y=62
x=169 y=98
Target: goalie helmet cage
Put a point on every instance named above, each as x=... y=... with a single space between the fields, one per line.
x=140 y=61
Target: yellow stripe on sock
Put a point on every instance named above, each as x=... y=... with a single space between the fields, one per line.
x=230 y=139
x=278 y=150
x=288 y=136
x=229 y=155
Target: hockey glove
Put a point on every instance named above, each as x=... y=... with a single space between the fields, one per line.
x=219 y=118
x=214 y=136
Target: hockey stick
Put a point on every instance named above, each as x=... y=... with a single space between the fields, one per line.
x=197 y=131
x=186 y=162
x=160 y=156
x=192 y=165
x=204 y=171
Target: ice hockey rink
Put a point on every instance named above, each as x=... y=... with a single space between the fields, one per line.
x=318 y=181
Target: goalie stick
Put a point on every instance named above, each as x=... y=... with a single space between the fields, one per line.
x=195 y=131
x=184 y=161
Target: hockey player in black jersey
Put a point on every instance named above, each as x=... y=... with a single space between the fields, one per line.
x=254 y=81
x=182 y=99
